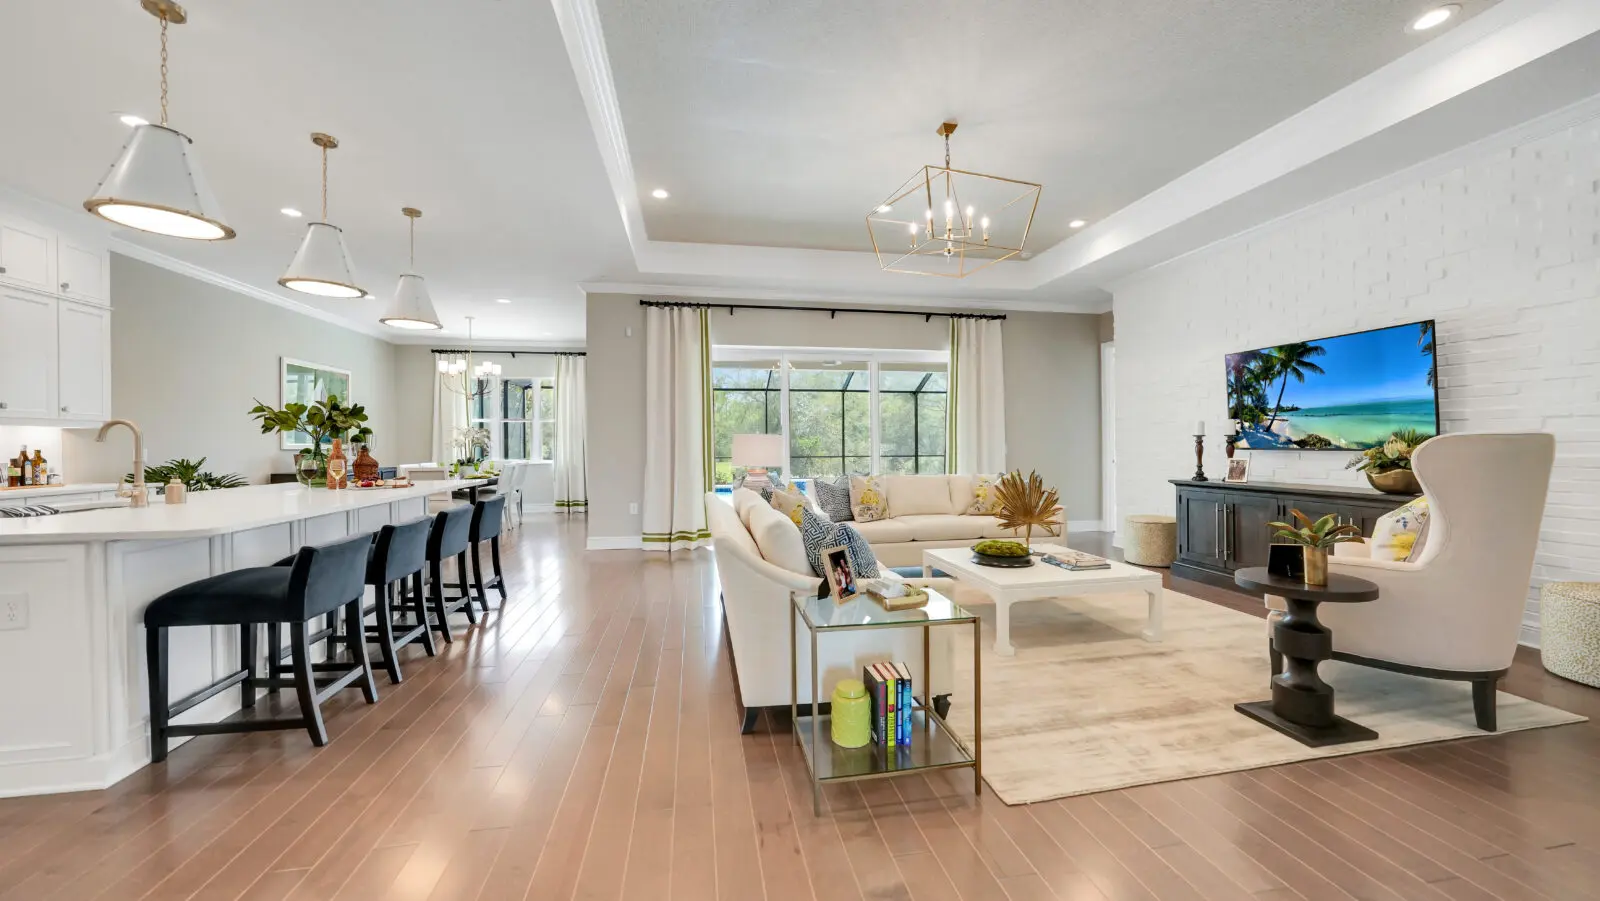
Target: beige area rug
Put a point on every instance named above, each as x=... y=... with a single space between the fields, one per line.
x=1086 y=705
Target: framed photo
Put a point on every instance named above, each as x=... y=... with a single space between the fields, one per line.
x=301 y=382
x=1238 y=470
x=841 y=577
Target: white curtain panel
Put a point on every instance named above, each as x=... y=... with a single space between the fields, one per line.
x=978 y=405
x=572 y=491
x=677 y=436
x=449 y=416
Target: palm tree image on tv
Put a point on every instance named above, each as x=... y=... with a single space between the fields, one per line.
x=1345 y=393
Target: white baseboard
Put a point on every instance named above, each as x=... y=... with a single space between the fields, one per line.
x=615 y=543
x=1085 y=525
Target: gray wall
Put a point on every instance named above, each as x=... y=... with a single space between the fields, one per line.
x=187 y=361
x=1052 y=370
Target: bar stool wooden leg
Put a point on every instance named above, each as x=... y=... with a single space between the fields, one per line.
x=356 y=644
x=247 y=662
x=477 y=579
x=155 y=649
x=304 y=685
x=418 y=606
x=386 y=632
x=274 y=655
x=461 y=578
x=436 y=587
x=494 y=558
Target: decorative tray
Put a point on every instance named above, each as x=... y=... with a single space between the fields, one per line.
x=1002 y=562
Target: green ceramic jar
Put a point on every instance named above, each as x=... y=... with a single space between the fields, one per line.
x=852 y=714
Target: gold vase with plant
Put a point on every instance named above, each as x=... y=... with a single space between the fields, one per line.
x=1315 y=540
x=1388 y=466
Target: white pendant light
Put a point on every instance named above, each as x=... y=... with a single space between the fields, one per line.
x=322 y=264
x=156 y=184
x=411 y=308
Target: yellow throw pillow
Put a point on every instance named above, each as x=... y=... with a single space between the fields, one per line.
x=1400 y=534
x=985 y=500
x=869 y=501
x=789 y=501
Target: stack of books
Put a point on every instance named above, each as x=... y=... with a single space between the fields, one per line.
x=892 y=701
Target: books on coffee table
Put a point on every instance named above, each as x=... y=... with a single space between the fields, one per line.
x=1077 y=561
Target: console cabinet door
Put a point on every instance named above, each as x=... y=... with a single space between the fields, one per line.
x=1247 y=535
x=1200 y=527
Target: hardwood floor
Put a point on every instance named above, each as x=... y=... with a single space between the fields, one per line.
x=584 y=744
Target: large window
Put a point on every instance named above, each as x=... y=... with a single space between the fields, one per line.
x=519 y=414
x=867 y=412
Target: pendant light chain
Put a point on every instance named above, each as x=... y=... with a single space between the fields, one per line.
x=413 y=256
x=163 y=69
x=324 y=182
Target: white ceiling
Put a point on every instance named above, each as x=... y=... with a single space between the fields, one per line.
x=467 y=110
x=531 y=133
x=780 y=123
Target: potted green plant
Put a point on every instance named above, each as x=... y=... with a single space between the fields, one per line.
x=322 y=421
x=1315 y=540
x=1388 y=466
x=190 y=475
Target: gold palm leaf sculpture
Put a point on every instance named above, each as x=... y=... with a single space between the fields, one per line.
x=1025 y=504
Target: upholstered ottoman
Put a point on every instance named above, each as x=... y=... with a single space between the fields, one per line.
x=1149 y=540
x=1569 y=630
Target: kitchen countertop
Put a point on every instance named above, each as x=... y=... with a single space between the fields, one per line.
x=207 y=513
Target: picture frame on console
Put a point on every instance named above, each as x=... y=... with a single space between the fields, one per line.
x=1238 y=470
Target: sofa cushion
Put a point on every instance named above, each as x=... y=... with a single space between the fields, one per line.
x=993 y=529
x=821 y=534
x=778 y=539
x=743 y=500
x=1400 y=534
x=789 y=502
x=917 y=495
x=833 y=498
x=985 y=500
x=869 y=502
x=945 y=526
x=961 y=496
x=884 y=531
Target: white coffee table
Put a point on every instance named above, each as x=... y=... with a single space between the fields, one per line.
x=1041 y=581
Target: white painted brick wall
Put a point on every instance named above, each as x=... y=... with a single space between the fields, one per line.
x=1503 y=251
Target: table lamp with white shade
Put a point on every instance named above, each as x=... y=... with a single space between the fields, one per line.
x=755 y=453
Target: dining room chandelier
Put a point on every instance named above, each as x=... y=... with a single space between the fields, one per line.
x=950 y=222
x=322 y=264
x=453 y=371
x=155 y=185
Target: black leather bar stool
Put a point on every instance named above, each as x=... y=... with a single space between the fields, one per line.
x=321 y=580
x=449 y=537
x=488 y=521
x=399 y=554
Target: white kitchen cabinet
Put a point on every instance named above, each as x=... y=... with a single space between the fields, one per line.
x=28 y=355
x=83 y=335
x=84 y=272
x=27 y=255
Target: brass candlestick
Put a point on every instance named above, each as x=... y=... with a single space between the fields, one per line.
x=1199 y=459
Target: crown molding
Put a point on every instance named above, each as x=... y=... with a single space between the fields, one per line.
x=823 y=300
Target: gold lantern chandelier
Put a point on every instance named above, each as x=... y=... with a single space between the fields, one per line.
x=950 y=222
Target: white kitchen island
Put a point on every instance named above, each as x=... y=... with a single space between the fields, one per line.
x=73 y=590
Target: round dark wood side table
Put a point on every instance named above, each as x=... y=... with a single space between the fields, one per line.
x=1302 y=704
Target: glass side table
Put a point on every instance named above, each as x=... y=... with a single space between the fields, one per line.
x=934 y=745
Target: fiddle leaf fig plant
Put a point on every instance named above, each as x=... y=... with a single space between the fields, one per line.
x=323 y=421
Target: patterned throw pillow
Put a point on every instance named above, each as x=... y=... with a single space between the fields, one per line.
x=869 y=502
x=834 y=498
x=985 y=500
x=819 y=535
x=788 y=501
x=1399 y=534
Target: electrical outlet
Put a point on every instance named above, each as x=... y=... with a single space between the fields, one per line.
x=633 y=509
x=13 y=612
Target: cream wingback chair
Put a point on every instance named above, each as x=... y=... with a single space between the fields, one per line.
x=756 y=603
x=1456 y=611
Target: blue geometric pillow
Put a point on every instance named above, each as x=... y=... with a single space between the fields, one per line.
x=819 y=534
x=834 y=498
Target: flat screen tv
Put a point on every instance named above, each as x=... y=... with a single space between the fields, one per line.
x=1346 y=393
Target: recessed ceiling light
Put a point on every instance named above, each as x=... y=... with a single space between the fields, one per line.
x=1076 y=223
x=884 y=208
x=1435 y=17
x=502 y=300
x=132 y=121
x=291 y=212
x=660 y=194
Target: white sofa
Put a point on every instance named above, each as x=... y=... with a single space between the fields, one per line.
x=1455 y=612
x=758 y=581
x=929 y=512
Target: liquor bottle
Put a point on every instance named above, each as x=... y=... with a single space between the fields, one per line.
x=41 y=468
x=26 y=465
x=336 y=465
x=13 y=474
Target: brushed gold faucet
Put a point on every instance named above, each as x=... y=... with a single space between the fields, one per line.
x=140 y=497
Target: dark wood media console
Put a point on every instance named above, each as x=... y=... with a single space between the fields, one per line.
x=1222 y=526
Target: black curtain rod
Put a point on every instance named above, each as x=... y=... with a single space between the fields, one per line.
x=513 y=353
x=831 y=311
